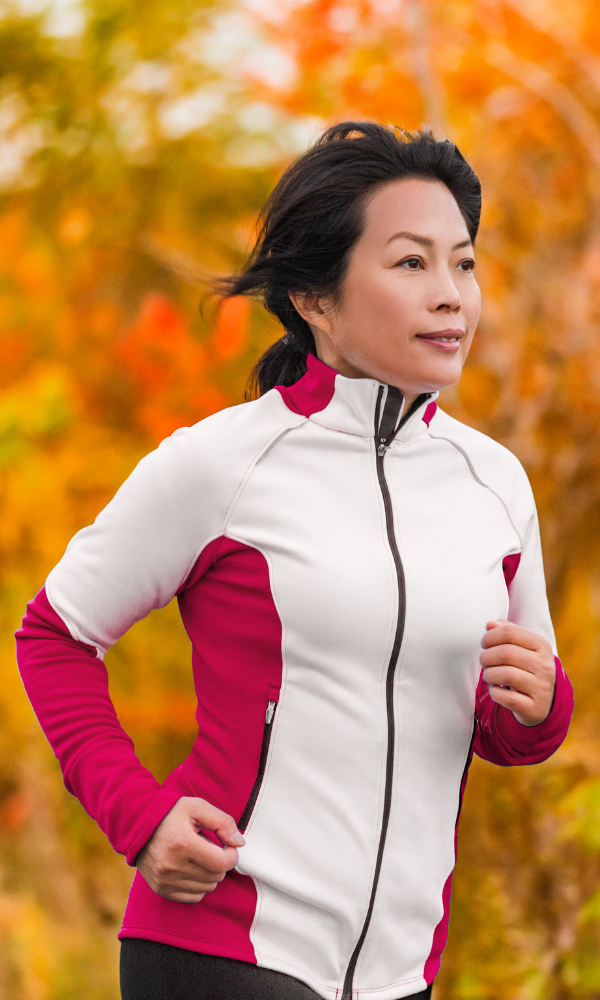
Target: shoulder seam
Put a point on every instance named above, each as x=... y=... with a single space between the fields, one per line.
x=439 y=437
x=249 y=470
x=234 y=498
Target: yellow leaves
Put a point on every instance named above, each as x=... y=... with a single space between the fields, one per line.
x=28 y=942
x=590 y=911
x=103 y=353
x=75 y=226
x=40 y=407
x=583 y=808
x=532 y=378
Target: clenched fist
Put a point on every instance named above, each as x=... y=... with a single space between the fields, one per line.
x=181 y=864
x=520 y=670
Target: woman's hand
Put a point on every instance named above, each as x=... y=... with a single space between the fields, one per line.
x=178 y=862
x=520 y=670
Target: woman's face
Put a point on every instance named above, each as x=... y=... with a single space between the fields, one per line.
x=410 y=302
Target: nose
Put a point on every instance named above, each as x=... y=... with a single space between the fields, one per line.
x=445 y=296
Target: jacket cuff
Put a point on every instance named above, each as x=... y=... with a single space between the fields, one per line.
x=166 y=799
x=552 y=731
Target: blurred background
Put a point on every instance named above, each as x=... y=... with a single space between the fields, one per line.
x=138 y=139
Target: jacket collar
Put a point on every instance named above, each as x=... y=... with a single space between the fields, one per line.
x=349 y=405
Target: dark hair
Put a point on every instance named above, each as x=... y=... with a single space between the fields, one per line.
x=315 y=215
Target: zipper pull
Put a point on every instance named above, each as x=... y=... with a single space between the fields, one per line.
x=382 y=448
x=270 y=712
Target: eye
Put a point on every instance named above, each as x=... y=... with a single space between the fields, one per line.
x=411 y=263
x=466 y=265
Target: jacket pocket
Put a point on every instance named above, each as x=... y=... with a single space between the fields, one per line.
x=273 y=698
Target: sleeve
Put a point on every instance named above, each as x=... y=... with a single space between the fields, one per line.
x=134 y=558
x=499 y=737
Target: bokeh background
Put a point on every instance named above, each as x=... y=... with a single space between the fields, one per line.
x=138 y=139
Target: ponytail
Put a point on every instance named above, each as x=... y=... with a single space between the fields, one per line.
x=283 y=363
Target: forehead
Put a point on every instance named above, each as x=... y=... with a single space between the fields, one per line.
x=415 y=205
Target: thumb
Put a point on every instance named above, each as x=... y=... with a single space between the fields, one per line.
x=495 y=624
x=209 y=817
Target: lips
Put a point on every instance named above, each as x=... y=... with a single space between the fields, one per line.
x=446 y=340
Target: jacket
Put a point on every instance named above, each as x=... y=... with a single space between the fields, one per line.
x=335 y=561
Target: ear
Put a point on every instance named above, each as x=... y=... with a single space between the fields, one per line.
x=313 y=309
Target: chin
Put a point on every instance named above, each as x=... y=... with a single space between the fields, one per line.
x=436 y=379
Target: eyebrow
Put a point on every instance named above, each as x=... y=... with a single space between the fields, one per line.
x=426 y=241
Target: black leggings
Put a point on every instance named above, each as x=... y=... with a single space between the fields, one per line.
x=154 y=971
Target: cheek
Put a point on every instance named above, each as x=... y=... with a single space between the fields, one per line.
x=472 y=305
x=378 y=305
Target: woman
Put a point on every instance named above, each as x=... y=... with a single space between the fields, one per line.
x=341 y=550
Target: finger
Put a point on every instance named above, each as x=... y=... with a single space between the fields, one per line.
x=192 y=871
x=207 y=856
x=513 y=656
x=167 y=882
x=183 y=897
x=515 y=701
x=208 y=816
x=507 y=632
x=513 y=678
x=174 y=883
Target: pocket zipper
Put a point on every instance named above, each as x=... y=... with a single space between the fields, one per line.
x=264 y=750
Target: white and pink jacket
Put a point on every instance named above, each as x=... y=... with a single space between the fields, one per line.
x=335 y=564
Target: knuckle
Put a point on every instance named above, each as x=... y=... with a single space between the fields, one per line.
x=208 y=873
x=217 y=872
x=163 y=890
x=164 y=874
x=178 y=846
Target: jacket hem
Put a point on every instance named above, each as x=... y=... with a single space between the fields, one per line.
x=392 y=991
x=202 y=945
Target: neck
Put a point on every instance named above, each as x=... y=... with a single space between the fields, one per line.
x=349 y=370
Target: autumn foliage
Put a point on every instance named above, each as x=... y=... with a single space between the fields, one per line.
x=138 y=143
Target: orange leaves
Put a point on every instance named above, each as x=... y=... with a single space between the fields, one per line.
x=167 y=369
x=479 y=391
x=231 y=329
x=170 y=371
x=13 y=357
x=158 y=350
x=15 y=809
x=75 y=226
x=102 y=354
x=171 y=714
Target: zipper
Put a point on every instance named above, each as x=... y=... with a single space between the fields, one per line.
x=387 y=425
x=262 y=763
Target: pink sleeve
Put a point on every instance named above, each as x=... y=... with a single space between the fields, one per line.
x=67 y=685
x=500 y=739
